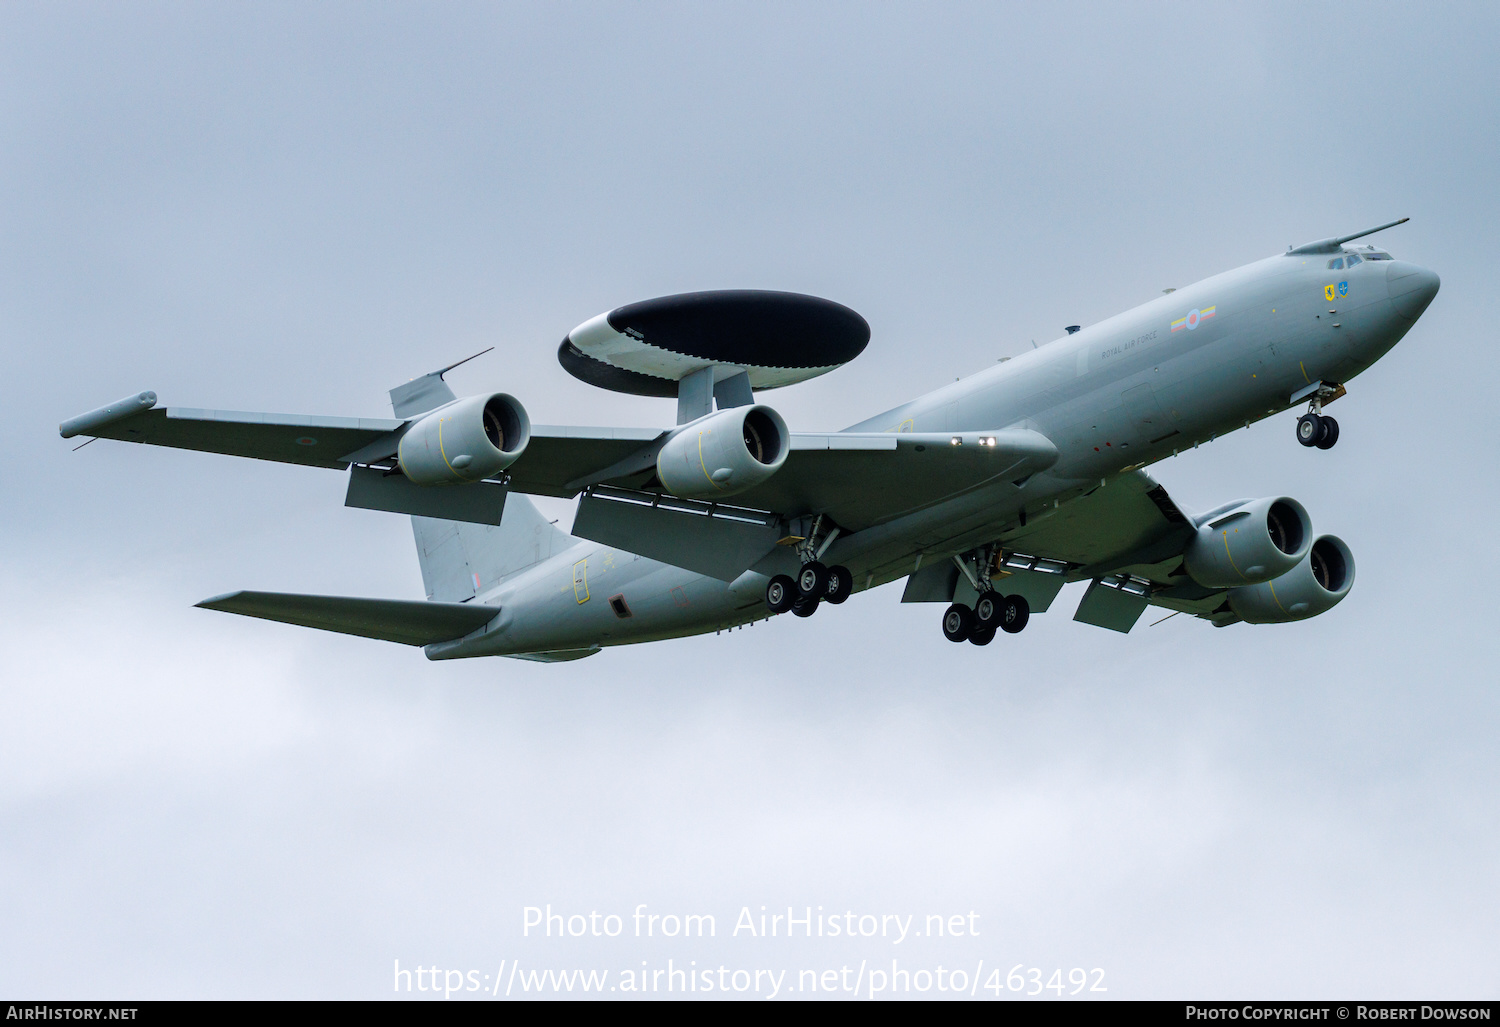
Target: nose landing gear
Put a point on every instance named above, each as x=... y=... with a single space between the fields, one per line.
x=1316 y=428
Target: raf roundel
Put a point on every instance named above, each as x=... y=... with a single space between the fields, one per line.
x=1194 y=318
x=776 y=338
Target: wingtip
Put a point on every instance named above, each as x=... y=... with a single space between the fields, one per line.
x=215 y=602
x=84 y=424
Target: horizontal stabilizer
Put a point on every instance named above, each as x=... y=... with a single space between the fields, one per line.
x=392 y=620
x=479 y=502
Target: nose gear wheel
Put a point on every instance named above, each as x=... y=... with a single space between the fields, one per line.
x=1316 y=428
x=1330 y=433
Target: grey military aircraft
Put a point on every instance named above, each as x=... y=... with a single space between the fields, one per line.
x=987 y=495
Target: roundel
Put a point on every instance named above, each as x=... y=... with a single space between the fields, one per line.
x=1193 y=318
x=777 y=338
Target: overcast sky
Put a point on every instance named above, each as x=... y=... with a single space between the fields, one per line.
x=296 y=207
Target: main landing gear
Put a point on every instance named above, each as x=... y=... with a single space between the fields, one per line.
x=1316 y=428
x=991 y=612
x=814 y=583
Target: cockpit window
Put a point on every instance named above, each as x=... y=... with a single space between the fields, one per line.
x=1353 y=259
x=1377 y=256
x=1336 y=264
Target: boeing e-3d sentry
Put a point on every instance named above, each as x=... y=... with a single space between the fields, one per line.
x=987 y=495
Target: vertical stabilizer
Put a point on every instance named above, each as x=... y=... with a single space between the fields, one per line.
x=459 y=560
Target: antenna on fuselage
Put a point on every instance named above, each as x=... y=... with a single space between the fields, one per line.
x=1332 y=245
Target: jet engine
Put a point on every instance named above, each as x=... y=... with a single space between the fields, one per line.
x=724 y=453
x=1249 y=543
x=1315 y=585
x=467 y=440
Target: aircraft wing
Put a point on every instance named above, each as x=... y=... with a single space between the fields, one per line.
x=1128 y=535
x=287 y=438
x=861 y=479
x=1129 y=523
x=858 y=479
x=556 y=455
x=1128 y=538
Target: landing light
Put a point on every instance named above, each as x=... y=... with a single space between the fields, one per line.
x=957 y=441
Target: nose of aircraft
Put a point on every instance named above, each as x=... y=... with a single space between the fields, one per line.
x=1411 y=287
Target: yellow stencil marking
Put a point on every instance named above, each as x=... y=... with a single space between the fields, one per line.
x=1231 y=555
x=702 y=464
x=1304 y=372
x=581 y=580
x=444 y=453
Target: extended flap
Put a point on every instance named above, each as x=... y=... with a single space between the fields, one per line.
x=479 y=502
x=1111 y=604
x=721 y=542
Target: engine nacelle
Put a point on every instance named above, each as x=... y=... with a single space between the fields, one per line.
x=1250 y=543
x=467 y=440
x=724 y=453
x=1315 y=585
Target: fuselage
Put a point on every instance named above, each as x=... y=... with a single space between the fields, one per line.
x=1118 y=395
